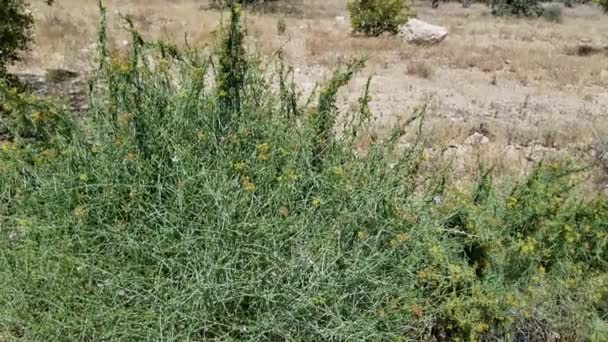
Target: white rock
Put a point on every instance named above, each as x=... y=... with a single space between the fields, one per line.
x=340 y=20
x=477 y=139
x=419 y=32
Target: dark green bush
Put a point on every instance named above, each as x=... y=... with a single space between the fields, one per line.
x=603 y=4
x=374 y=17
x=15 y=31
x=520 y=8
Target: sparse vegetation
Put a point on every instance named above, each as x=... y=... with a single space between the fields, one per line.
x=420 y=68
x=374 y=17
x=15 y=31
x=184 y=208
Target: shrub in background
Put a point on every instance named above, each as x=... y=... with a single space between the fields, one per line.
x=520 y=8
x=603 y=4
x=374 y=17
x=552 y=12
x=15 y=31
x=568 y=3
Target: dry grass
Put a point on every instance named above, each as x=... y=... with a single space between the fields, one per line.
x=420 y=68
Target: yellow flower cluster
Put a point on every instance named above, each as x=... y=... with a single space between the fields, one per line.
x=511 y=202
x=120 y=64
x=130 y=156
x=6 y=146
x=201 y=137
x=45 y=156
x=570 y=235
x=528 y=246
x=288 y=176
x=80 y=212
x=337 y=171
x=38 y=118
x=399 y=239
x=263 y=151
x=247 y=184
x=239 y=166
x=362 y=235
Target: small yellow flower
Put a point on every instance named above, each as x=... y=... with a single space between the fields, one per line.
x=38 y=118
x=80 y=212
x=569 y=237
x=6 y=146
x=338 y=171
x=120 y=64
x=315 y=203
x=201 y=137
x=399 y=239
x=287 y=176
x=511 y=202
x=362 y=235
x=239 y=166
x=263 y=150
x=96 y=148
x=24 y=223
x=541 y=270
x=529 y=246
x=481 y=327
x=318 y=300
x=83 y=177
x=247 y=184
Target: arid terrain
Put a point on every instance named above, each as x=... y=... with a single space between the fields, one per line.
x=519 y=83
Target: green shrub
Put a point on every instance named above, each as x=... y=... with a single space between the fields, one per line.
x=603 y=4
x=168 y=211
x=15 y=31
x=552 y=12
x=374 y=17
x=520 y=8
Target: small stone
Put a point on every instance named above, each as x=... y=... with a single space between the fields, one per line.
x=477 y=139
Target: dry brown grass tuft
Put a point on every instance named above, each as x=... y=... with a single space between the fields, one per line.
x=420 y=69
